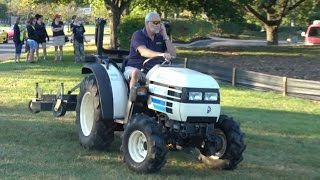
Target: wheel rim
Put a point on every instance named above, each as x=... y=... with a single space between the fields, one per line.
x=137 y=146
x=222 y=141
x=87 y=113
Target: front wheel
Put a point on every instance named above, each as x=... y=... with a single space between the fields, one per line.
x=230 y=145
x=143 y=145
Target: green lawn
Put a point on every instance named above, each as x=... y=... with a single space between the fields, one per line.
x=282 y=133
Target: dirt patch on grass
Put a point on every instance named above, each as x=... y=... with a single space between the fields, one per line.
x=293 y=67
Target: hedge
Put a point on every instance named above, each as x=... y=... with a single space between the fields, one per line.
x=182 y=30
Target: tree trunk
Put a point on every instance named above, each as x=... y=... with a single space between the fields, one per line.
x=272 y=35
x=115 y=21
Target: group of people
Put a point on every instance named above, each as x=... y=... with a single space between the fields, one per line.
x=149 y=42
x=34 y=33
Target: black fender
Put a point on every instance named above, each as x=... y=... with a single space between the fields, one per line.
x=104 y=87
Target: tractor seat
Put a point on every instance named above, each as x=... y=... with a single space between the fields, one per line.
x=124 y=63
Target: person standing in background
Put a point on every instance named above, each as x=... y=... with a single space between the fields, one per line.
x=33 y=38
x=18 y=39
x=43 y=35
x=57 y=27
x=71 y=29
x=78 y=35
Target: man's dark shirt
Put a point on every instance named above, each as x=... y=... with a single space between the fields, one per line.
x=78 y=32
x=16 y=34
x=139 y=38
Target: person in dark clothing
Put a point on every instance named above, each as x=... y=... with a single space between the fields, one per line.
x=33 y=38
x=78 y=35
x=43 y=35
x=58 y=36
x=18 y=39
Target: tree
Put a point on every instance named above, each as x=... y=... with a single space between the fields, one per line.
x=270 y=13
x=117 y=7
x=3 y=12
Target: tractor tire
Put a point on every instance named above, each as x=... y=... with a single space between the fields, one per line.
x=231 y=137
x=94 y=132
x=61 y=111
x=143 y=145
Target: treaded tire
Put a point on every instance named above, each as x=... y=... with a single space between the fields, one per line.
x=93 y=131
x=143 y=145
x=235 y=146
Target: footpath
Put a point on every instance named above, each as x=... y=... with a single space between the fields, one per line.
x=7 y=50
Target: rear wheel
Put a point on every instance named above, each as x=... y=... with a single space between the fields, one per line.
x=143 y=145
x=93 y=131
x=230 y=144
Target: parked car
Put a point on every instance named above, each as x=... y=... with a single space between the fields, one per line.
x=3 y=36
x=10 y=33
x=312 y=35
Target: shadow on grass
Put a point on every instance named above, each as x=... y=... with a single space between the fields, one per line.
x=50 y=145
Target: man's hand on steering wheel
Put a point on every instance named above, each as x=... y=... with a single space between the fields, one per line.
x=167 y=56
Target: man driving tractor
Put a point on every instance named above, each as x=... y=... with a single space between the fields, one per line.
x=149 y=42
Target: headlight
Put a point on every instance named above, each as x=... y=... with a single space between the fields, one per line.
x=210 y=96
x=195 y=96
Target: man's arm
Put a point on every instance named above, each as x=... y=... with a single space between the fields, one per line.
x=170 y=48
x=148 y=53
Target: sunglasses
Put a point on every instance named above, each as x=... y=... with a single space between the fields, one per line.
x=155 y=22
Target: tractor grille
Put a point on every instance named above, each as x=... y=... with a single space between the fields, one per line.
x=197 y=119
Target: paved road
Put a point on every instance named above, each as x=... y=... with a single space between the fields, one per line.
x=7 y=50
x=215 y=41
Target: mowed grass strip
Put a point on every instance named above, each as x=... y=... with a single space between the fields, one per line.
x=282 y=133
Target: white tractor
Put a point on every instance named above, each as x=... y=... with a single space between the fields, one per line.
x=172 y=107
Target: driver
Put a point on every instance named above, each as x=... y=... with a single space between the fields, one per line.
x=149 y=42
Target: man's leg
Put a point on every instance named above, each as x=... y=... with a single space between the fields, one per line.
x=44 y=48
x=132 y=74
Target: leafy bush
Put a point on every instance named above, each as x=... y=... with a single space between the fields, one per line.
x=229 y=28
x=187 y=30
x=181 y=30
x=251 y=27
x=127 y=27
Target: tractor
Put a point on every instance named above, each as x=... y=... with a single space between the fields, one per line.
x=172 y=108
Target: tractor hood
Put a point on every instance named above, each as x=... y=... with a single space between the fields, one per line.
x=181 y=77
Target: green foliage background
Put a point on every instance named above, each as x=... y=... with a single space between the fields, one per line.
x=182 y=30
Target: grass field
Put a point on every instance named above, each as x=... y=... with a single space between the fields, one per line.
x=282 y=134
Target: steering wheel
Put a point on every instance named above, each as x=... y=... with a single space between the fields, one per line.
x=150 y=62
